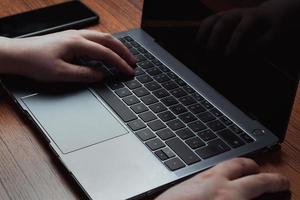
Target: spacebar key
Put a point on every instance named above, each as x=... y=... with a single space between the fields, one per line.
x=183 y=151
x=116 y=104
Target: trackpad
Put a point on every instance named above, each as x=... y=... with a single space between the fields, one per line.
x=74 y=120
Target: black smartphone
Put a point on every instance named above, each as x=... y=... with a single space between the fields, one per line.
x=68 y=15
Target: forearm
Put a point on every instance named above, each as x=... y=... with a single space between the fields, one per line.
x=8 y=56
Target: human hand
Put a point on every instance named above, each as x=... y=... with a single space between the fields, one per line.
x=251 y=29
x=236 y=179
x=49 y=57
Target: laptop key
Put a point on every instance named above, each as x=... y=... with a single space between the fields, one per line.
x=116 y=104
x=145 y=64
x=130 y=100
x=144 y=78
x=195 y=142
x=187 y=100
x=162 y=156
x=135 y=44
x=161 y=93
x=157 y=108
x=178 y=92
x=213 y=148
x=196 y=108
x=136 y=125
x=187 y=117
x=156 y=62
x=123 y=40
x=236 y=129
x=206 y=104
x=181 y=149
x=149 y=99
x=145 y=134
x=156 y=125
x=175 y=124
x=172 y=75
x=128 y=45
x=188 y=89
x=170 y=85
x=247 y=138
x=138 y=71
x=180 y=82
x=142 y=50
x=174 y=164
x=168 y=152
x=216 y=112
x=155 y=144
x=139 y=108
x=231 y=139
x=163 y=68
x=153 y=85
x=140 y=58
x=185 y=133
x=141 y=91
x=206 y=117
x=161 y=78
x=132 y=84
x=215 y=125
x=165 y=134
x=153 y=71
x=166 y=116
x=197 y=126
x=225 y=120
x=128 y=39
x=149 y=56
x=123 y=92
x=147 y=116
x=197 y=96
x=178 y=109
x=206 y=135
x=169 y=101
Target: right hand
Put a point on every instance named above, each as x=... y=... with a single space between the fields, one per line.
x=49 y=57
x=236 y=179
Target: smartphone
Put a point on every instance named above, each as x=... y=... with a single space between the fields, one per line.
x=68 y=15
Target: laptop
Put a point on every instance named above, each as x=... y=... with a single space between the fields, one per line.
x=181 y=113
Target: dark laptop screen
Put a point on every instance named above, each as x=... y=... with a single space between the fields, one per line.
x=263 y=91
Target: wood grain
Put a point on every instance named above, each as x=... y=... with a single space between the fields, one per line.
x=28 y=170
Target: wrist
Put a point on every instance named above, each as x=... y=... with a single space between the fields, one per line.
x=8 y=56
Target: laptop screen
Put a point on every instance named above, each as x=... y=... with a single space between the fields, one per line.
x=265 y=92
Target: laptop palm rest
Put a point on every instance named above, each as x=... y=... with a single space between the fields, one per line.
x=74 y=120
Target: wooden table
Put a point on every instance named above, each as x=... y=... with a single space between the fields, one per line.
x=28 y=170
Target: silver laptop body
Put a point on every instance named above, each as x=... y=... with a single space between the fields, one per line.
x=100 y=150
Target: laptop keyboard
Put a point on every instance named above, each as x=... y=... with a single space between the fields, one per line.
x=174 y=121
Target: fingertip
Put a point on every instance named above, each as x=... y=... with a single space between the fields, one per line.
x=132 y=60
x=131 y=71
x=284 y=182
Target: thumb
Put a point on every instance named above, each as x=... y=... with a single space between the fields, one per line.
x=78 y=73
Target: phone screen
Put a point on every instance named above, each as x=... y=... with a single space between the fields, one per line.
x=59 y=17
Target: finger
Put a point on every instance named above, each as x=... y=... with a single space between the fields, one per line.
x=110 y=42
x=235 y=168
x=99 y=52
x=255 y=185
x=76 y=73
x=222 y=31
x=240 y=34
x=205 y=29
